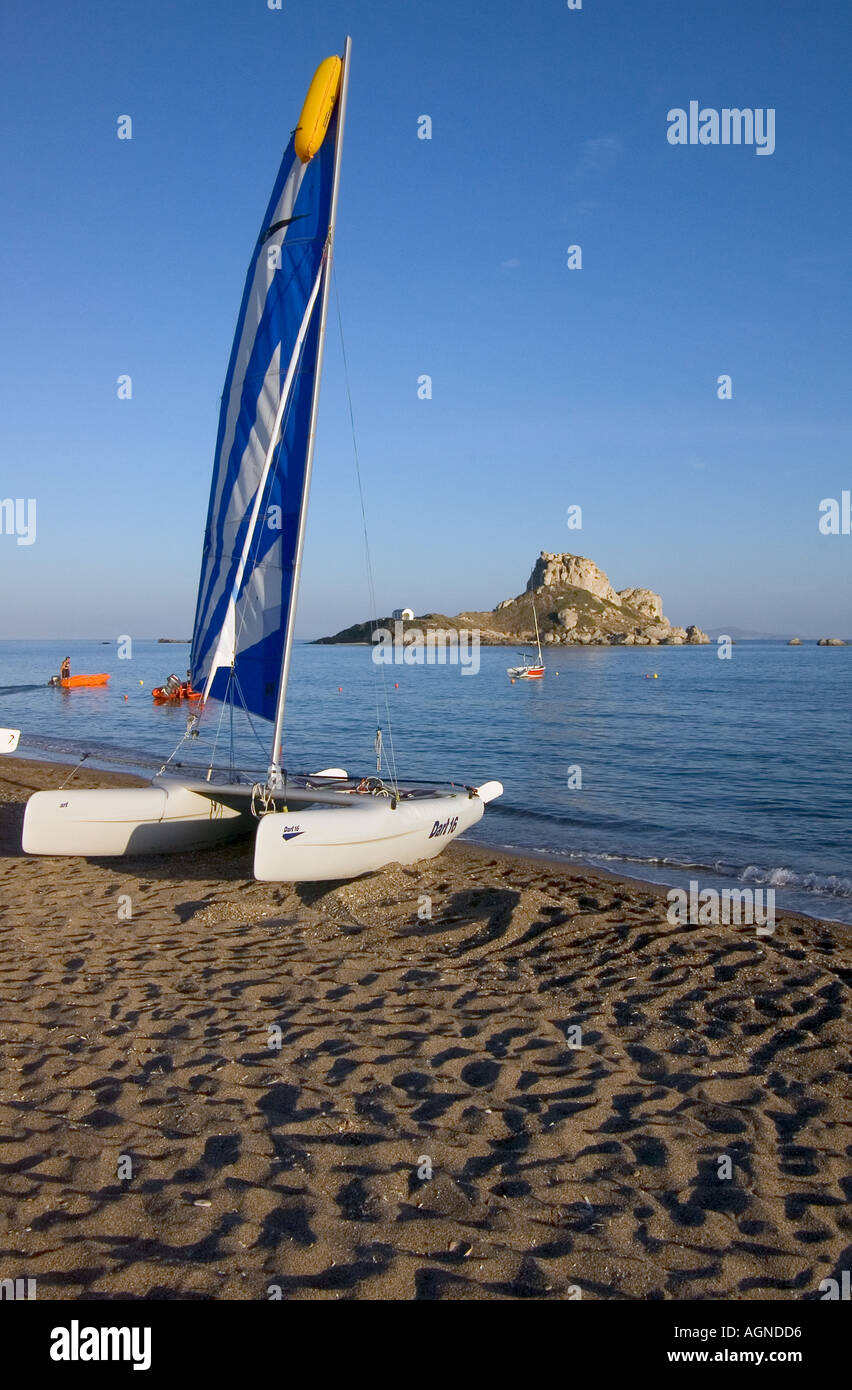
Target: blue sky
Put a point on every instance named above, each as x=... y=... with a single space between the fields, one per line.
x=551 y=387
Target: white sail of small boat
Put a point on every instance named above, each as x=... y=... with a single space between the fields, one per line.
x=309 y=826
x=530 y=670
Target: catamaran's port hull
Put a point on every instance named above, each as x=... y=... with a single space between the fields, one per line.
x=129 y=820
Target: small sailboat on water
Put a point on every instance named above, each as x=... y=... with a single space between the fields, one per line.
x=309 y=826
x=530 y=670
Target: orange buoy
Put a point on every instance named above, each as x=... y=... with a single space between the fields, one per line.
x=319 y=104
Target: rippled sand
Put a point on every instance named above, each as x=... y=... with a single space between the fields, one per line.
x=409 y=1045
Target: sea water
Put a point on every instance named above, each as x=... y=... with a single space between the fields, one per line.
x=666 y=763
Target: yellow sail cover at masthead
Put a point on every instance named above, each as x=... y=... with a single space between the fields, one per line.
x=319 y=104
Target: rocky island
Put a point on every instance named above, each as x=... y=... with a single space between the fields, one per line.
x=575 y=605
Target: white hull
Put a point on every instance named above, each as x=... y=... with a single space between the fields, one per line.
x=318 y=845
x=358 y=835
x=525 y=673
x=160 y=819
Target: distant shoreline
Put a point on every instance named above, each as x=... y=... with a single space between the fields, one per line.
x=556 y=646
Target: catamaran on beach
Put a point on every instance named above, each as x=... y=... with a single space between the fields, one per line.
x=309 y=826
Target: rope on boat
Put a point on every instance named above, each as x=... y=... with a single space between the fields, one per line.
x=219 y=726
x=73 y=770
x=262 y=800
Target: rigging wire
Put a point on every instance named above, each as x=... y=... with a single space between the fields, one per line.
x=83 y=758
x=218 y=731
x=247 y=713
x=374 y=617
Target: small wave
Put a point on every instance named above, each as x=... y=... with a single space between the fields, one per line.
x=666 y=862
x=827 y=885
x=788 y=881
x=831 y=885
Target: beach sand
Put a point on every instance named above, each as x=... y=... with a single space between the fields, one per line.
x=409 y=1045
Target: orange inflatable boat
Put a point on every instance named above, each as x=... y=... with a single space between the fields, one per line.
x=182 y=691
x=74 y=682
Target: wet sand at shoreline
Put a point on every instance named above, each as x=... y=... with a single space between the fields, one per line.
x=409 y=1044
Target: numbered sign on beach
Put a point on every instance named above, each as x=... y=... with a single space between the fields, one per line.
x=9 y=740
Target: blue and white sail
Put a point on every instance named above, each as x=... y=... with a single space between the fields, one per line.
x=254 y=522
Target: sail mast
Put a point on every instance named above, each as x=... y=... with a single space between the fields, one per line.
x=275 y=767
x=537 y=638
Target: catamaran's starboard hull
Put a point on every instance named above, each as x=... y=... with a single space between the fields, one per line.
x=321 y=845
x=129 y=820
